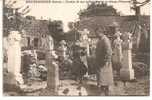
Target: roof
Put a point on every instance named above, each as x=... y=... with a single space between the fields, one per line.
x=36 y=28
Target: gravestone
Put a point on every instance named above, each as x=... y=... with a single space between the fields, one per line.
x=127 y=72
x=52 y=68
x=14 y=57
x=84 y=40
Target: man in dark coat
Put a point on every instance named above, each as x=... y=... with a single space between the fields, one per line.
x=103 y=60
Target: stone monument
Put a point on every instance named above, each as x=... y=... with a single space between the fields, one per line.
x=84 y=40
x=52 y=67
x=14 y=57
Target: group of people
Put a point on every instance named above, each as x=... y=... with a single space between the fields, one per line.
x=108 y=58
x=111 y=55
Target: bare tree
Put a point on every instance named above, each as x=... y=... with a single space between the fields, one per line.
x=14 y=16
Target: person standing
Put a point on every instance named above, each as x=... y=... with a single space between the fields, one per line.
x=62 y=50
x=117 y=53
x=103 y=59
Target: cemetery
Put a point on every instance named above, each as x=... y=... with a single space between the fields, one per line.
x=40 y=59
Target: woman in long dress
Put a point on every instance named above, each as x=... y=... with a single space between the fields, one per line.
x=117 y=54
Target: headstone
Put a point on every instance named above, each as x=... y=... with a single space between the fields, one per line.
x=84 y=40
x=14 y=56
x=52 y=73
x=52 y=67
x=127 y=72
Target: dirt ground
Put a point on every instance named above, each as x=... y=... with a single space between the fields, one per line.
x=88 y=88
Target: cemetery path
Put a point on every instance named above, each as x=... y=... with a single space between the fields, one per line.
x=72 y=88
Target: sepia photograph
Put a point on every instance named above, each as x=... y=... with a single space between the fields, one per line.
x=76 y=48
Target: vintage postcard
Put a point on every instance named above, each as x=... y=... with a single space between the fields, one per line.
x=76 y=47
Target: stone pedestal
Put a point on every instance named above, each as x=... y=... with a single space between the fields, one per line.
x=52 y=74
x=127 y=74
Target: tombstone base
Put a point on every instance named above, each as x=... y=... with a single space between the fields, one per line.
x=53 y=90
x=10 y=83
x=53 y=86
x=127 y=74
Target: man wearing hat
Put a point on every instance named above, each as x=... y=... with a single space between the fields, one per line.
x=103 y=60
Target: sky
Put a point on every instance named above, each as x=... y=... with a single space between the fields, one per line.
x=68 y=12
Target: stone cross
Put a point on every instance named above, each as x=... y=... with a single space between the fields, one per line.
x=127 y=72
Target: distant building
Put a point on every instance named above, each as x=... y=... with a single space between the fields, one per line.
x=33 y=32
